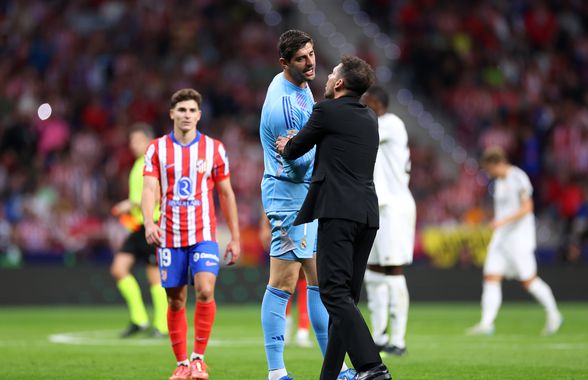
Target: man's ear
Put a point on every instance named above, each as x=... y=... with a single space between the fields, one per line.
x=340 y=84
x=171 y=114
x=283 y=63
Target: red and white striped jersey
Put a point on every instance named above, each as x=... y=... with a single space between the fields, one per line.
x=187 y=175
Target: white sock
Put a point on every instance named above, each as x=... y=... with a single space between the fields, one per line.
x=378 y=297
x=399 y=301
x=195 y=356
x=491 y=300
x=543 y=294
x=185 y=362
x=277 y=374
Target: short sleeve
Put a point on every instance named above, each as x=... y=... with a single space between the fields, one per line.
x=524 y=186
x=151 y=167
x=220 y=169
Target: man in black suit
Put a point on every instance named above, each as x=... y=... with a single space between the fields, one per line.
x=343 y=198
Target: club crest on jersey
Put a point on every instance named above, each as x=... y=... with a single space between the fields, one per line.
x=201 y=166
x=164 y=274
x=184 y=187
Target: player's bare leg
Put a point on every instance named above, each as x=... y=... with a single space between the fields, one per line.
x=491 y=301
x=126 y=283
x=284 y=274
x=543 y=294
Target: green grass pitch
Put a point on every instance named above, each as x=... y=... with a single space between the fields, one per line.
x=80 y=343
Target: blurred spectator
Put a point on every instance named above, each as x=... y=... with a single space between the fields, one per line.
x=512 y=74
x=102 y=66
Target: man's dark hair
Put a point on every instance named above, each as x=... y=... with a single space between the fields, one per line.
x=144 y=128
x=186 y=94
x=379 y=94
x=291 y=41
x=357 y=75
x=493 y=155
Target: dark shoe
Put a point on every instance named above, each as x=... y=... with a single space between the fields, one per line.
x=394 y=350
x=133 y=329
x=379 y=372
x=155 y=333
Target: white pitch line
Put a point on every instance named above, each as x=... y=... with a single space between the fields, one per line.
x=108 y=338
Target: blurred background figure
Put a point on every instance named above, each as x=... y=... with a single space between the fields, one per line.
x=135 y=248
x=388 y=298
x=511 y=250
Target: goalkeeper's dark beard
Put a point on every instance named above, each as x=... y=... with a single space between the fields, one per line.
x=298 y=75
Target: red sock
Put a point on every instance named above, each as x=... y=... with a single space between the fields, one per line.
x=178 y=328
x=303 y=322
x=203 y=320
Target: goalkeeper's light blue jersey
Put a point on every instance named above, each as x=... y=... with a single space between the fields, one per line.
x=286 y=109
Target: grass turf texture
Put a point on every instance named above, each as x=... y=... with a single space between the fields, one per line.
x=437 y=346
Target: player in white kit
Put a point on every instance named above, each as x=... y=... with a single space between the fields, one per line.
x=511 y=250
x=394 y=244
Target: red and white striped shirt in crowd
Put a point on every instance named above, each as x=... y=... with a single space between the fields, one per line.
x=187 y=175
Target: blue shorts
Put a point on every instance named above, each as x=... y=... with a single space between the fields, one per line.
x=177 y=266
x=291 y=242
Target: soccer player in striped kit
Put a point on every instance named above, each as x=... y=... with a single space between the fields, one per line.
x=182 y=168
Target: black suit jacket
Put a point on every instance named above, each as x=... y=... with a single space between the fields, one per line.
x=342 y=186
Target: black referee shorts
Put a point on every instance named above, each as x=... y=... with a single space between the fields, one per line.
x=136 y=245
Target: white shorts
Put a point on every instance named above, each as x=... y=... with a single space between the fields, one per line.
x=511 y=261
x=394 y=244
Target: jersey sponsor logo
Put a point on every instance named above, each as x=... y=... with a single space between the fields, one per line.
x=183 y=202
x=184 y=187
x=210 y=263
x=164 y=274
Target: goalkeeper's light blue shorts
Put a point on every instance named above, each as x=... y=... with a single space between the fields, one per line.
x=291 y=242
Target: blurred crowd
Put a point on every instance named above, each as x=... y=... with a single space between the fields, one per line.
x=102 y=66
x=509 y=73
x=512 y=74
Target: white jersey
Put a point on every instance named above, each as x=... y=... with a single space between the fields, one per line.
x=508 y=194
x=394 y=242
x=392 y=168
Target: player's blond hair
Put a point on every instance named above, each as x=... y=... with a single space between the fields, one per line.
x=493 y=155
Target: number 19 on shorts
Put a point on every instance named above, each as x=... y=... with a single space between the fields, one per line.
x=165 y=257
